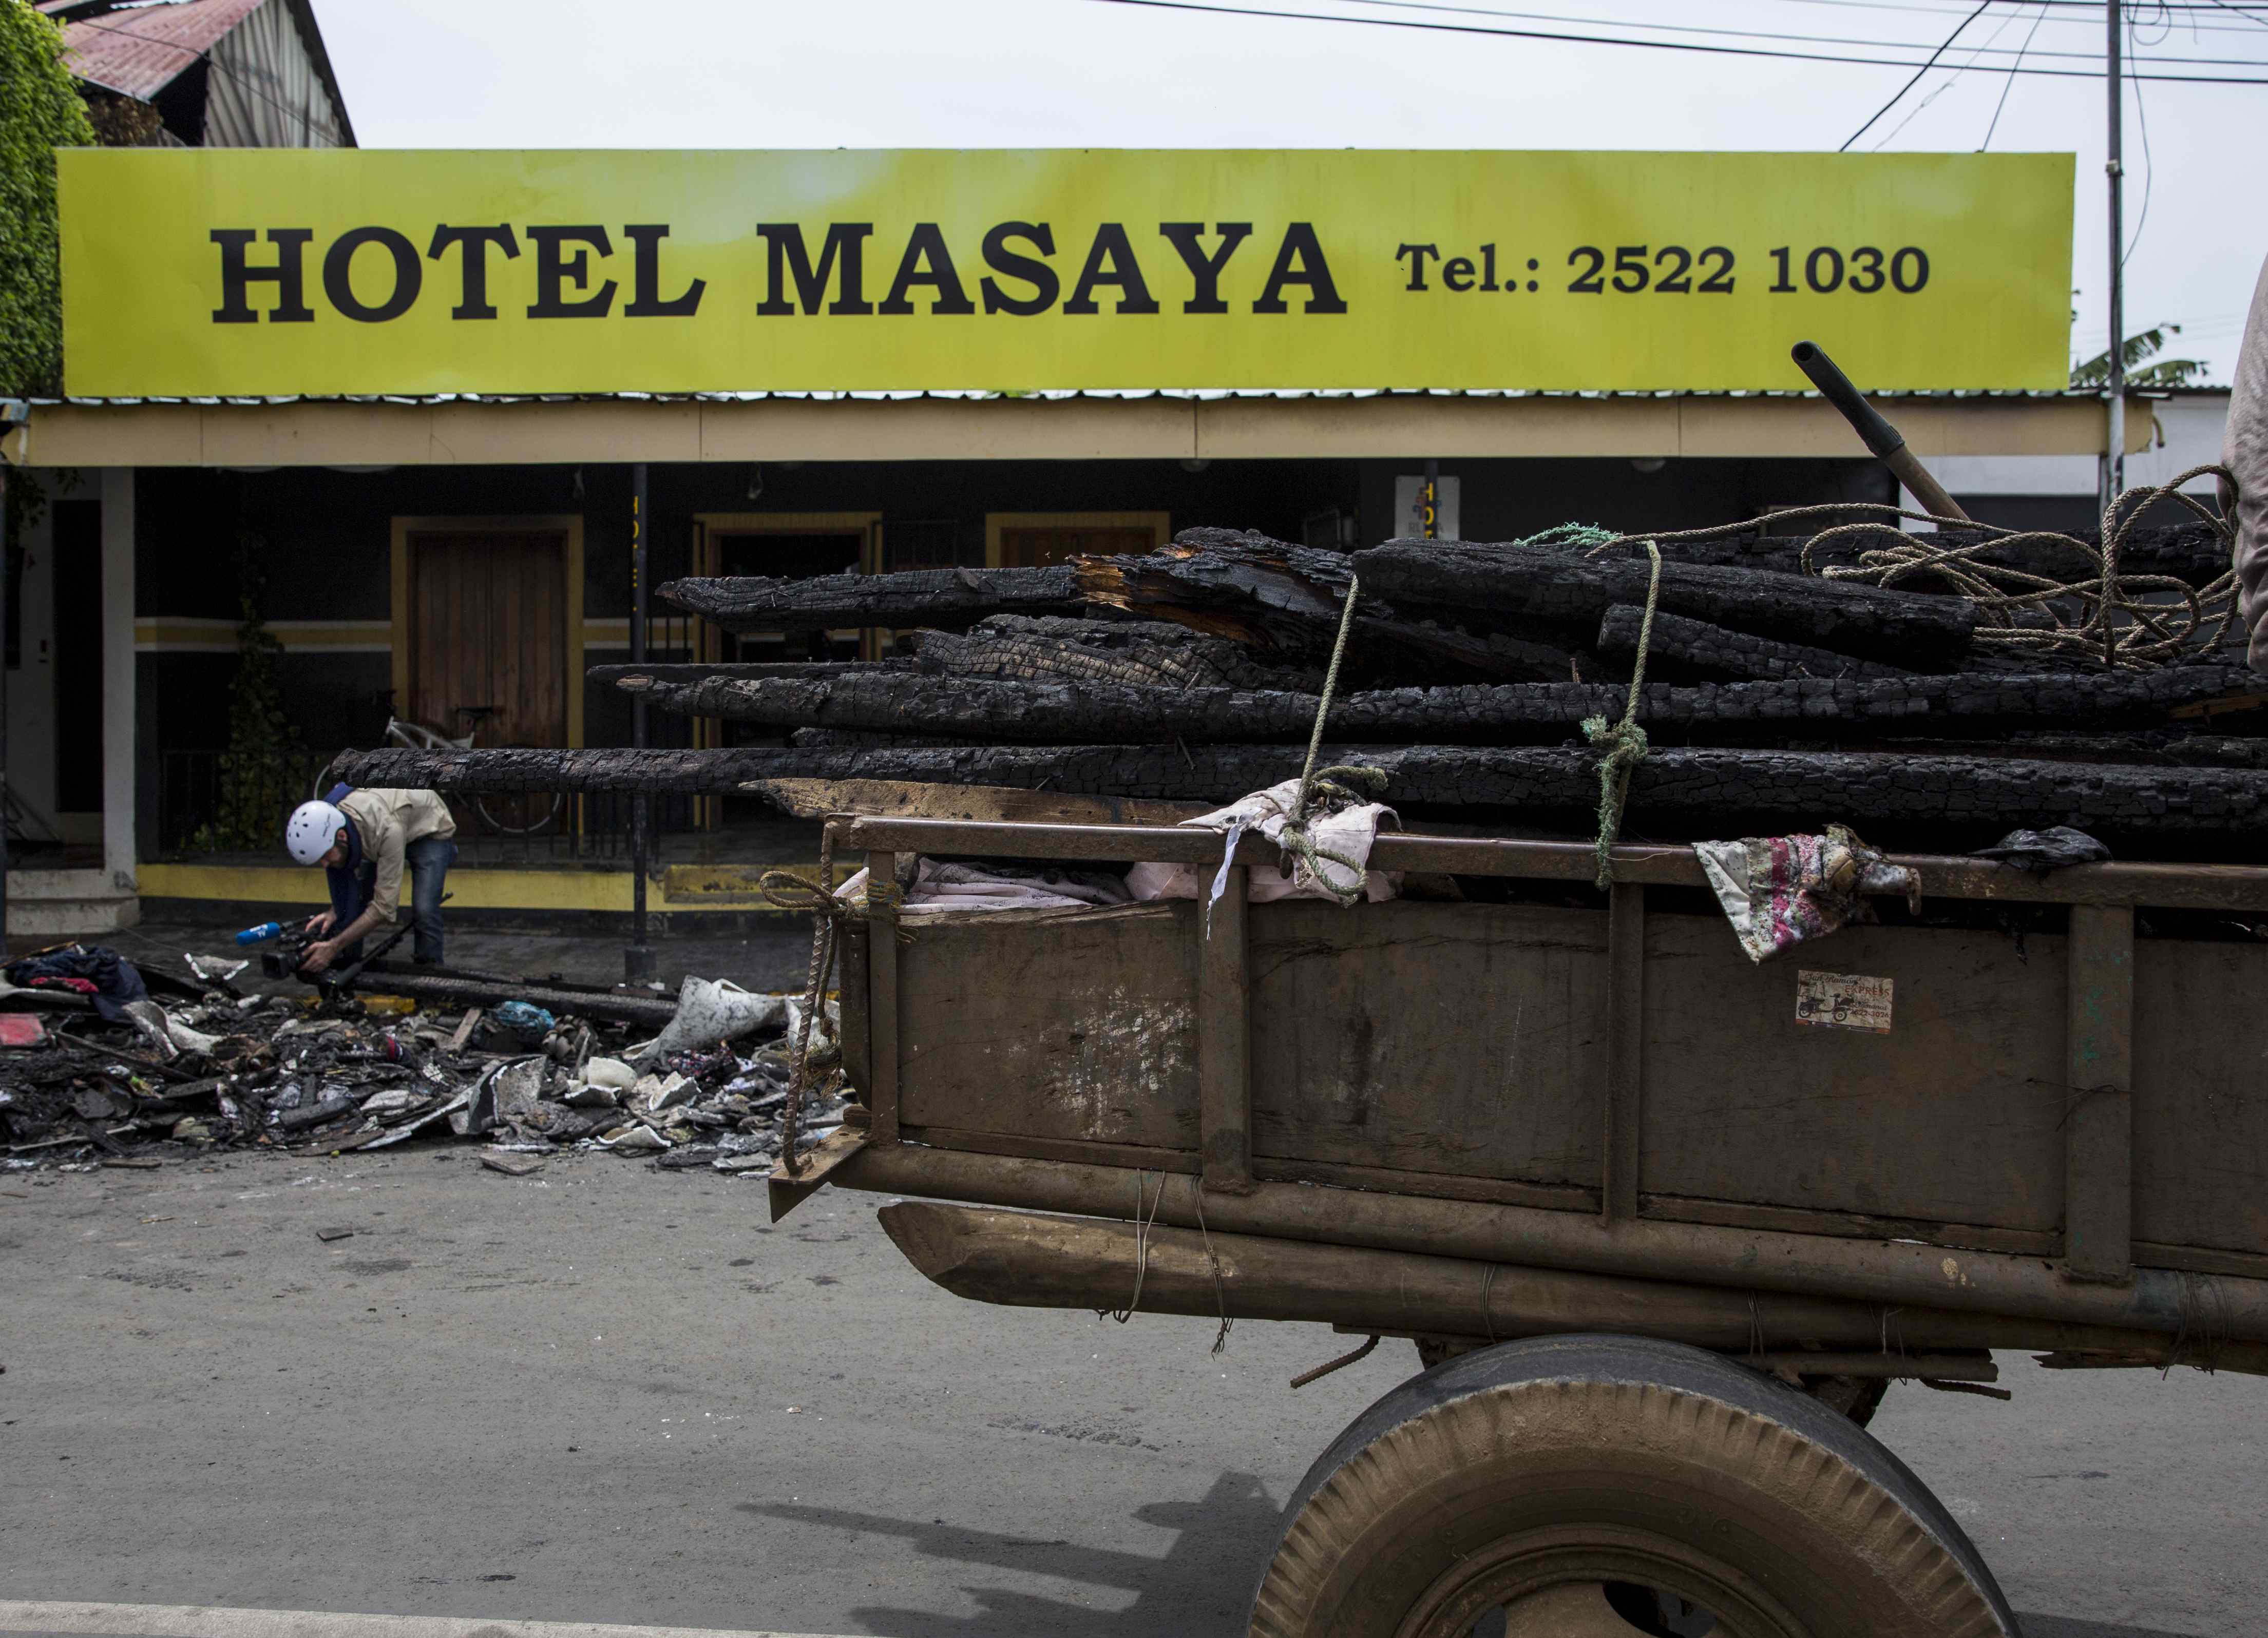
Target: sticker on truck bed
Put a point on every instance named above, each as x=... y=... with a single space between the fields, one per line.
x=1843 y=1000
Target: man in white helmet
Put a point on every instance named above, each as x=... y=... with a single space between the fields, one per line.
x=365 y=840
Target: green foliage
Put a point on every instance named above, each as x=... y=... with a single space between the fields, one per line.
x=2136 y=353
x=264 y=772
x=39 y=111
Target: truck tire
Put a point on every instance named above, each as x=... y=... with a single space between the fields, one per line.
x=1585 y=1484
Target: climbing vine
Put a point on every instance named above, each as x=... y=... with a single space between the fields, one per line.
x=39 y=111
x=265 y=768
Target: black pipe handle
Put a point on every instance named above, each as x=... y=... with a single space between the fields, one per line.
x=1880 y=436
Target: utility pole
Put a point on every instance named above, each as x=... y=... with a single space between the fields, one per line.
x=6 y=543
x=637 y=960
x=2114 y=459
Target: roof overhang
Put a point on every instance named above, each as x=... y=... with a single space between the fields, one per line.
x=871 y=426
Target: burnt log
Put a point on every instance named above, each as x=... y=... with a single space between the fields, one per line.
x=991 y=805
x=862 y=739
x=950 y=597
x=1697 y=646
x=1284 y=602
x=1683 y=791
x=904 y=708
x=1137 y=653
x=1926 y=633
x=682 y=673
x=2190 y=552
x=450 y=988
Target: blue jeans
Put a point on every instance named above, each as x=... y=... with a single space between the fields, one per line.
x=429 y=859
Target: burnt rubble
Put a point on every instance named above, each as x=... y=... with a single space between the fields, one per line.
x=291 y=1074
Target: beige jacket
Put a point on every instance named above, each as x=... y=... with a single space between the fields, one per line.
x=388 y=822
x=2245 y=453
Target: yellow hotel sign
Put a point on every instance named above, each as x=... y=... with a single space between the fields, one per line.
x=295 y=271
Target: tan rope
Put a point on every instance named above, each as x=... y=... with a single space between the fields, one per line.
x=1294 y=838
x=1219 y=1290
x=1142 y=1228
x=2128 y=622
x=788 y=891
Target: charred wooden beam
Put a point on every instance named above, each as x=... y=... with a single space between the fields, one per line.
x=917 y=597
x=909 y=705
x=1137 y=653
x=461 y=989
x=1926 y=633
x=1699 y=646
x=1284 y=601
x=1690 y=790
x=2191 y=552
x=816 y=798
x=681 y=672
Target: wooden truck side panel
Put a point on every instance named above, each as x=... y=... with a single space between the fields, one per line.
x=2090 y=1099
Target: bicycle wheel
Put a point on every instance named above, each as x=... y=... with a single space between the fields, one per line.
x=519 y=812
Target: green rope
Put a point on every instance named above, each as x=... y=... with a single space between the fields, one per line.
x=1581 y=535
x=1625 y=740
x=1293 y=837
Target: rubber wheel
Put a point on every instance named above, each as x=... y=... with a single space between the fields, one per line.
x=1587 y=1486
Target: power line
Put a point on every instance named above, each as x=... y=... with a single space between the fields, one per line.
x=2010 y=83
x=1951 y=79
x=1656 y=45
x=1753 y=34
x=2077 y=12
x=2149 y=166
x=1981 y=7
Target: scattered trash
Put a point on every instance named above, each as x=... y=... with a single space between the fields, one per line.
x=104 y=976
x=2044 y=850
x=1780 y=891
x=710 y=1010
x=529 y=1022
x=511 y=1164
x=328 y=1235
x=111 y=1078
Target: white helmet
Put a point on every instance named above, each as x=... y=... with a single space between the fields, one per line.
x=312 y=831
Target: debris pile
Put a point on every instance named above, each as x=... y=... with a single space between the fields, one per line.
x=1936 y=689
x=209 y=1067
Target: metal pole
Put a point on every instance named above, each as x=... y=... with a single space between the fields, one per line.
x=639 y=960
x=2114 y=459
x=6 y=543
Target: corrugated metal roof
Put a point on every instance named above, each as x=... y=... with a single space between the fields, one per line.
x=138 y=50
x=1179 y=394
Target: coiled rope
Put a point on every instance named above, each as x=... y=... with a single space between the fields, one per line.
x=2127 y=622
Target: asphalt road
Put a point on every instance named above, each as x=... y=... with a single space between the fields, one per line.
x=607 y=1394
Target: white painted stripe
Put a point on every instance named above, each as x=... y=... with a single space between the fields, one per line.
x=168 y=1620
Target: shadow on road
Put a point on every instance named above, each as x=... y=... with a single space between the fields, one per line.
x=2064 y=1627
x=1199 y=1586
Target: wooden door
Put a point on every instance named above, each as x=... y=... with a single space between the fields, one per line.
x=487 y=627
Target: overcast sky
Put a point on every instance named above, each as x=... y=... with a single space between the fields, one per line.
x=1087 y=73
